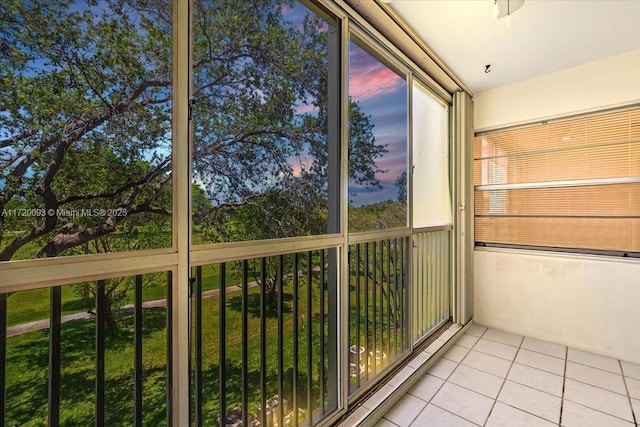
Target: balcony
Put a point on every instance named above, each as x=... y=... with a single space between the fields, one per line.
x=290 y=236
x=71 y=355
x=489 y=377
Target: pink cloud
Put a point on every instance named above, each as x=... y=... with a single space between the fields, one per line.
x=305 y=108
x=298 y=164
x=285 y=9
x=371 y=82
x=369 y=77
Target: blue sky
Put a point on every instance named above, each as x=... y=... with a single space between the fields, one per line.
x=381 y=94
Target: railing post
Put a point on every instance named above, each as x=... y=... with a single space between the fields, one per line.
x=137 y=338
x=55 y=317
x=3 y=355
x=100 y=351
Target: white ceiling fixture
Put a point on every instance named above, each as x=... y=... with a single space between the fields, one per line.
x=546 y=35
x=504 y=9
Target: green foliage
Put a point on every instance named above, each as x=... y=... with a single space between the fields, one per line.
x=262 y=159
x=87 y=119
x=378 y=216
x=86 y=92
x=27 y=361
x=401 y=184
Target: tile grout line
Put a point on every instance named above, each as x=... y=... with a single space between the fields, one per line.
x=452 y=413
x=625 y=394
x=429 y=402
x=447 y=380
x=504 y=381
x=595 y=367
x=564 y=381
x=439 y=388
x=626 y=387
x=409 y=393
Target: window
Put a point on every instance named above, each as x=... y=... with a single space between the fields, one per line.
x=265 y=141
x=568 y=184
x=378 y=123
x=85 y=131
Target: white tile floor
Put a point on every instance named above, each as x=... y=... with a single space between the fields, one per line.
x=494 y=378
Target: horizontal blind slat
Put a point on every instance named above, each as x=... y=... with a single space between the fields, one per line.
x=602 y=200
x=598 y=147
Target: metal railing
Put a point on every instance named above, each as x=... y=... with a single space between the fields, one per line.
x=378 y=308
x=264 y=335
x=265 y=340
x=91 y=360
x=431 y=284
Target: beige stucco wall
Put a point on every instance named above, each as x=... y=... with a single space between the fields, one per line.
x=587 y=302
x=603 y=84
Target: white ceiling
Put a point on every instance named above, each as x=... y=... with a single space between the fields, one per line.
x=545 y=36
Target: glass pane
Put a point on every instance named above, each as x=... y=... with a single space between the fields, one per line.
x=261 y=86
x=377 y=143
x=85 y=127
x=432 y=195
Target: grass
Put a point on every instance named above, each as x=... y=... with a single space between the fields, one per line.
x=27 y=354
x=27 y=363
x=29 y=306
x=27 y=370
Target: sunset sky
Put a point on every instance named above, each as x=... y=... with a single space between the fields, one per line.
x=382 y=95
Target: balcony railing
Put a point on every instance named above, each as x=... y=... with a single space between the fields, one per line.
x=431 y=285
x=265 y=340
x=73 y=367
x=265 y=334
x=378 y=308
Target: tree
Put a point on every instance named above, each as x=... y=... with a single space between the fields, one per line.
x=378 y=216
x=86 y=119
x=401 y=184
x=275 y=66
x=86 y=123
x=117 y=290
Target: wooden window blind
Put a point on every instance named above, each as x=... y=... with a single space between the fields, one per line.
x=571 y=184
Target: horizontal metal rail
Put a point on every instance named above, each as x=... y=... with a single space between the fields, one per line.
x=418 y=230
x=237 y=251
x=38 y=273
x=559 y=184
x=371 y=236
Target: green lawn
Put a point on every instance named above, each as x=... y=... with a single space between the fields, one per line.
x=27 y=364
x=27 y=354
x=27 y=306
x=27 y=368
